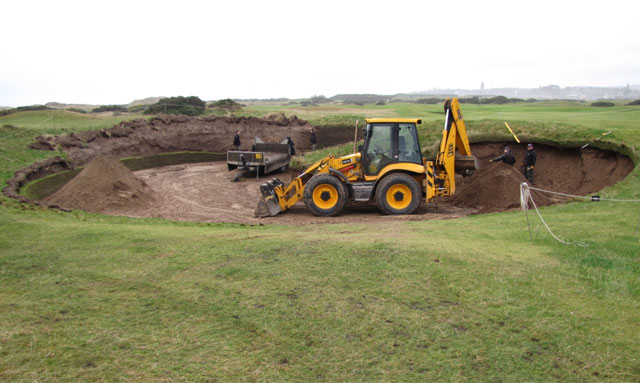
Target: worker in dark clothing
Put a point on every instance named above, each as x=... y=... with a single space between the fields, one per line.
x=236 y=140
x=529 y=162
x=313 y=139
x=292 y=150
x=505 y=157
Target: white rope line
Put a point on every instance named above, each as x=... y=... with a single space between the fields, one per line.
x=581 y=196
x=525 y=196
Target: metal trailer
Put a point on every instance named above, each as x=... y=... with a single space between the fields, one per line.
x=265 y=158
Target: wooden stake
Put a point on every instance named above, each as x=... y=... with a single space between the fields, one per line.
x=355 y=137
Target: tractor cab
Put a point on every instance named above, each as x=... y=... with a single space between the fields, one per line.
x=389 y=141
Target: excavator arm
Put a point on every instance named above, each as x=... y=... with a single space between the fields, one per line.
x=454 y=154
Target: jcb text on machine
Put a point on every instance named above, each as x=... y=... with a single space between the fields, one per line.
x=389 y=170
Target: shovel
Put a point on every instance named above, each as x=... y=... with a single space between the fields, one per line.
x=597 y=139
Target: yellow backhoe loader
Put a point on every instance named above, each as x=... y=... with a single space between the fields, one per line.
x=388 y=169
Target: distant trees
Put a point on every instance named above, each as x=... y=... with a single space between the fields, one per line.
x=318 y=99
x=29 y=108
x=429 y=100
x=109 y=108
x=191 y=106
x=634 y=102
x=227 y=104
x=315 y=100
x=76 y=110
x=360 y=99
x=603 y=104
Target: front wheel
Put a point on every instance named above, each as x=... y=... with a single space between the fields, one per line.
x=325 y=195
x=398 y=193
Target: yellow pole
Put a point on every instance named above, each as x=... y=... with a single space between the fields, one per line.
x=512 y=133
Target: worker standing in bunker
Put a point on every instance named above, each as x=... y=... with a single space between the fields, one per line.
x=291 y=149
x=313 y=139
x=505 y=157
x=529 y=162
x=236 y=140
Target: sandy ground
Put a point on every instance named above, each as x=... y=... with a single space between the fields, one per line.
x=204 y=192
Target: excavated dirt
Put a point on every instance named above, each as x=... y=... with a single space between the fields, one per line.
x=495 y=187
x=205 y=191
x=566 y=170
x=165 y=134
x=105 y=185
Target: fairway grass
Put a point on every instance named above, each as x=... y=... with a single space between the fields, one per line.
x=87 y=297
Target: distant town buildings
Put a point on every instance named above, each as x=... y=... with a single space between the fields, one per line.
x=628 y=92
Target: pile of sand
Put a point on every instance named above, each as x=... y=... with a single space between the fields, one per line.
x=495 y=187
x=105 y=185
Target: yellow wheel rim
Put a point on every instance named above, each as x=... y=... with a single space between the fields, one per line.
x=399 y=196
x=325 y=196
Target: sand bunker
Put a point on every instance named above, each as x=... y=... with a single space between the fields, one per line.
x=204 y=192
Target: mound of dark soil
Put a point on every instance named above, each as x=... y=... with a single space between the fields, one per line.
x=565 y=170
x=165 y=133
x=105 y=185
x=495 y=187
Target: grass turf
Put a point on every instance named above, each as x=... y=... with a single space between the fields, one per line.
x=85 y=297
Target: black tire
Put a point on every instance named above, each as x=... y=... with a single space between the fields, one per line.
x=325 y=195
x=398 y=193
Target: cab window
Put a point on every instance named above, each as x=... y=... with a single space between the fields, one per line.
x=408 y=148
x=378 y=152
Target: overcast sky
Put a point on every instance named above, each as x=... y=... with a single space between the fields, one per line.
x=112 y=52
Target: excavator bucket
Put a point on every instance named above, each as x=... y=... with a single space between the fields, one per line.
x=268 y=205
x=466 y=164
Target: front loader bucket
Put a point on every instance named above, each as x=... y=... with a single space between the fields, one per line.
x=268 y=205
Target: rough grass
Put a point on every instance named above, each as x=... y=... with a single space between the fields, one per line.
x=85 y=297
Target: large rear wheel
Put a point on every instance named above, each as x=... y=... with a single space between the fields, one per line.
x=325 y=195
x=398 y=193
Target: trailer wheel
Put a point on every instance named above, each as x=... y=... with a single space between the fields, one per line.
x=325 y=195
x=398 y=193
